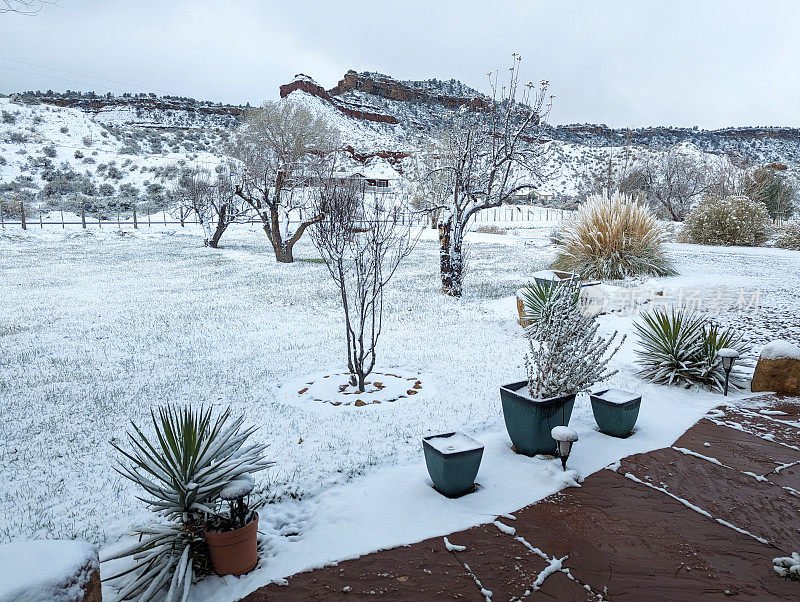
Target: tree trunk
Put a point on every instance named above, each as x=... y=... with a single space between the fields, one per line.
x=283 y=253
x=451 y=265
x=220 y=230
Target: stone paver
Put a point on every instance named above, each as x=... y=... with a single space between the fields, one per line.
x=754 y=505
x=735 y=448
x=661 y=527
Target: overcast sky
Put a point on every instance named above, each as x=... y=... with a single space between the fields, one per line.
x=701 y=62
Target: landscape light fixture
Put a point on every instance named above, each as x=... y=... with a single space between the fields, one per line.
x=564 y=437
x=234 y=493
x=729 y=356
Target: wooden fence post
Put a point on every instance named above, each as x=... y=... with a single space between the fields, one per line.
x=41 y=225
x=22 y=213
x=62 y=220
x=135 y=221
x=83 y=217
x=180 y=212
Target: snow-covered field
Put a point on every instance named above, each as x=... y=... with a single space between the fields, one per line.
x=99 y=326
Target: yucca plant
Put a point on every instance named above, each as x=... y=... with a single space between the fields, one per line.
x=536 y=297
x=715 y=339
x=679 y=347
x=612 y=237
x=181 y=470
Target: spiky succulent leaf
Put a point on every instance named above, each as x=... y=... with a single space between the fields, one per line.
x=678 y=347
x=181 y=469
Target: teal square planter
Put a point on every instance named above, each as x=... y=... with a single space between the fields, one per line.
x=453 y=460
x=615 y=411
x=529 y=421
x=547 y=278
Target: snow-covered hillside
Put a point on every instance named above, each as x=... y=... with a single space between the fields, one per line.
x=55 y=155
x=132 y=147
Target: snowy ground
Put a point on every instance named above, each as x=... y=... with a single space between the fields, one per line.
x=97 y=327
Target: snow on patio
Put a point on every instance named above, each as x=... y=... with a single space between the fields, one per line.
x=98 y=327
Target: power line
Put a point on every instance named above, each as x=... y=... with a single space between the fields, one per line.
x=113 y=81
x=59 y=78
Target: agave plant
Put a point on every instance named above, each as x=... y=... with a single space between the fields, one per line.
x=181 y=470
x=678 y=347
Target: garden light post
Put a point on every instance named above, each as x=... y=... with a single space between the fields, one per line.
x=564 y=437
x=729 y=356
x=234 y=493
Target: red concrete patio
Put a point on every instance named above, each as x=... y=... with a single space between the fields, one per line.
x=701 y=519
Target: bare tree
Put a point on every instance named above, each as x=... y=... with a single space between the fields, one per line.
x=484 y=159
x=23 y=7
x=764 y=184
x=674 y=180
x=725 y=176
x=432 y=188
x=210 y=196
x=280 y=147
x=620 y=173
x=362 y=243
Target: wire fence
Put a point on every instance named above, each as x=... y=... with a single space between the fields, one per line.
x=147 y=217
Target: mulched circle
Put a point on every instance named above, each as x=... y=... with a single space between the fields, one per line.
x=374 y=385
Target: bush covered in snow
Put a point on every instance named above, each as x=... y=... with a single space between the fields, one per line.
x=789 y=237
x=727 y=221
x=679 y=347
x=565 y=354
x=787 y=566
x=612 y=237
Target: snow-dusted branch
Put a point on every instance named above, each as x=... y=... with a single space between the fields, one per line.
x=488 y=155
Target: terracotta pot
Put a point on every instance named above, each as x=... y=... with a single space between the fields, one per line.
x=234 y=552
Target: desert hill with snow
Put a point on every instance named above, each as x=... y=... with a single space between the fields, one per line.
x=53 y=145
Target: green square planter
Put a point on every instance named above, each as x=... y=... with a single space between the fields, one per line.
x=529 y=421
x=453 y=460
x=615 y=411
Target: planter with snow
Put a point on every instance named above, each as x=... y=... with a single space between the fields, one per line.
x=551 y=277
x=233 y=544
x=778 y=369
x=53 y=570
x=615 y=411
x=234 y=552
x=530 y=421
x=453 y=460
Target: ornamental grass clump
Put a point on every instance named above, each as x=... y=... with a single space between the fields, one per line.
x=680 y=347
x=612 y=237
x=181 y=470
x=566 y=355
